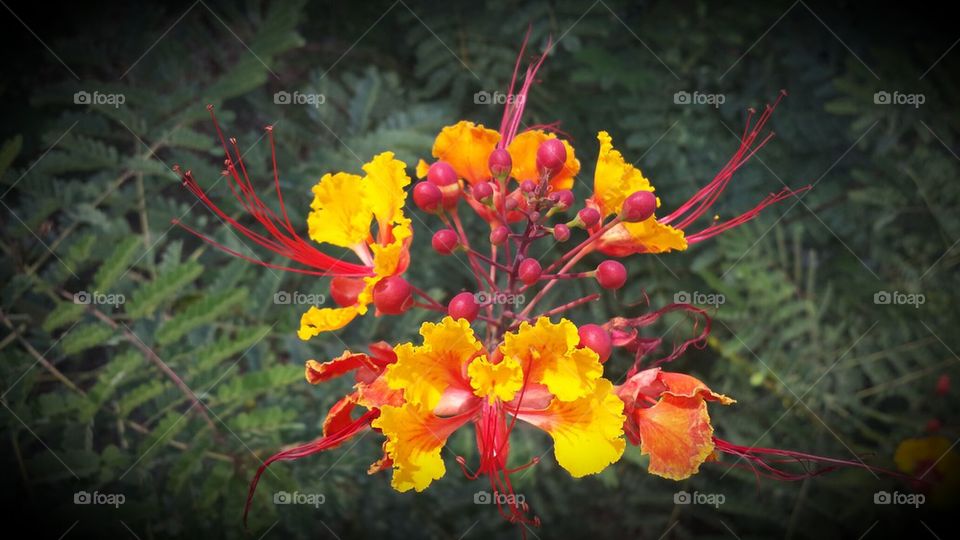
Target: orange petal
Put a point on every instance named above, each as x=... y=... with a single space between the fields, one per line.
x=677 y=434
x=648 y=236
x=339 y=416
x=523 y=152
x=466 y=147
x=682 y=385
x=318 y=372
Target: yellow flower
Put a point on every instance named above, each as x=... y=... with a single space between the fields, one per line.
x=466 y=147
x=495 y=381
x=523 y=151
x=344 y=208
x=615 y=180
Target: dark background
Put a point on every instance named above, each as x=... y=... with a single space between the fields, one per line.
x=815 y=364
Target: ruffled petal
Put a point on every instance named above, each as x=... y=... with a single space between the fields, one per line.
x=549 y=350
x=340 y=215
x=317 y=320
x=495 y=381
x=587 y=432
x=425 y=372
x=318 y=372
x=676 y=434
x=466 y=147
x=615 y=179
x=523 y=152
x=648 y=236
x=383 y=188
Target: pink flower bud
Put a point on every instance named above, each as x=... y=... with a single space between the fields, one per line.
x=595 y=338
x=442 y=174
x=499 y=235
x=393 y=295
x=482 y=191
x=551 y=157
x=463 y=306
x=589 y=216
x=445 y=241
x=639 y=206
x=611 y=274
x=529 y=271
x=561 y=233
x=500 y=164
x=562 y=198
x=427 y=196
x=528 y=186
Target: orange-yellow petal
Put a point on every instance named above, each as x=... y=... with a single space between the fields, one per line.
x=648 y=236
x=615 y=179
x=340 y=215
x=549 y=350
x=422 y=169
x=425 y=372
x=523 y=152
x=466 y=147
x=415 y=437
x=317 y=320
x=495 y=381
x=587 y=432
x=383 y=188
x=677 y=434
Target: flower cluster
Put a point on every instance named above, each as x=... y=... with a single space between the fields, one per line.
x=486 y=364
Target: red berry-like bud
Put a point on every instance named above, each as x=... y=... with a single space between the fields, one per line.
x=442 y=174
x=499 y=235
x=529 y=271
x=562 y=198
x=528 y=186
x=393 y=295
x=534 y=216
x=427 y=196
x=639 y=206
x=595 y=338
x=934 y=425
x=943 y=385
x=611 y=274
x=561 y=233
x=445 y=241
x=346 y=290
x=551 y=156
x=463 y=306
x=500 y=163
x=510 y=204
x=482 y=191
x=589 y=216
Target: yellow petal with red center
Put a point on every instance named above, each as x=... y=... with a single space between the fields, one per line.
x=648 y=236
x=466 y=147
x=340 y=215
x=587 y=432
x=415 y=437
x=424 y=372
x=495 y=381
x=615 y=179
x=523 y=152
x=317 y=320
x=383 y=187
x=422 y=169
x=549 y=350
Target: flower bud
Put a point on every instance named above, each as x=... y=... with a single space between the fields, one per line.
x=561 y=233
x=445 y=241
x=563 y=198
x=595 y=338
x=528 y=186
x=551 y=157
x=392 y=295
x=611 y=274
x=589 y=216
x=500 y=164
x=499 y=235
x=346 y=290
x=463 y=306
x=510 y=204
x=482 y=191
x=529 y=271
x=442 y=174
x=427 y=196
x=639 y=206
